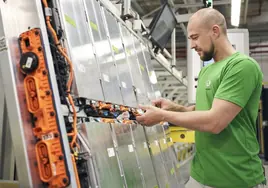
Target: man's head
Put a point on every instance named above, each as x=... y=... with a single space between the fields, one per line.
x=205 y=29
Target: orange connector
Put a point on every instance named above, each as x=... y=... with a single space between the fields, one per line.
x=49 y=152
x=105 y=106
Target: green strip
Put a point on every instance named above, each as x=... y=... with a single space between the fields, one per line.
x=70 y=21
x=178 y=165
x=156 y=186
x=172 y=171
x=167 y=185
x=94 y=26
x=128 y=51
x=142 y=68
x=115 y=49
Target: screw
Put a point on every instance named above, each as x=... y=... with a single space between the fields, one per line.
x=47 y=92
x=60 y=157
x=52 y=113
x=65 y=180
x=40 y=49
x=182 y=136
x=56 y=135
x=35 y=163
x=36 y=33
x=44 y=72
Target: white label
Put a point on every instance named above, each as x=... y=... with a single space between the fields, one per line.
x=3 y=45
x=82 y=68
x=48 y=12
x=145 y=145
x=171 y=139
x=48 y=136
x=164 y=140
x=156 y=143
x=106 y=78
x=70 y=118
x=138 y=90
x=130 y=148
x=124 y=85
x=111 y=152
x=29 y=62
x=87 y=102
x=91 y=119
x=54 y=170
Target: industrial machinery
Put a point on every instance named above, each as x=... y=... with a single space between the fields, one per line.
x=73 y=75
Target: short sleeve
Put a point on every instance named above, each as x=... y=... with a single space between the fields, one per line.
x=238 y=81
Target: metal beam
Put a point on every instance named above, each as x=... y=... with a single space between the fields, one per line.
x=246 y=11
x=180 y=19
x=196 y=5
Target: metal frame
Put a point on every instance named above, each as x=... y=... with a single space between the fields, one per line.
x=32 y=17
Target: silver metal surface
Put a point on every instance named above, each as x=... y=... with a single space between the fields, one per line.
x=79 y=42
x=154 y=91
x=167 y=156
x=143 y=69
x=103 y=52
x=127 y=155
x=134 y=65
x=143 y=154
x=18 y=17
x=157 y=156
x=7 y=164
x=103 y=154
x=119 y=56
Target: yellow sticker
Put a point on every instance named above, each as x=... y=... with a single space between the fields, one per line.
x=128 y=51
x=172 y=171
x=70 y=21
x=94 y=26
x=115 y=49
x=142 y=68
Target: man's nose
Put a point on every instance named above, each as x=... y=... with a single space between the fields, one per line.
x=193 y=45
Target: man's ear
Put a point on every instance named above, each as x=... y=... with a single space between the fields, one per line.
x=216 y=31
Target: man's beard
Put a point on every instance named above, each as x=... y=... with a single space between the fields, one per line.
x=208 y=55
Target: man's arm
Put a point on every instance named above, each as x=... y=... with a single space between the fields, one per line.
x=213 y=121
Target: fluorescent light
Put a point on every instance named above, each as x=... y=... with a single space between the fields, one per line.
x=235 y=12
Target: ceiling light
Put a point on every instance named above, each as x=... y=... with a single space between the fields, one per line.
x=235 y=12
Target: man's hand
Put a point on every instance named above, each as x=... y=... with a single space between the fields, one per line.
x=168 y=105
x=152 y=116
x=164 y=104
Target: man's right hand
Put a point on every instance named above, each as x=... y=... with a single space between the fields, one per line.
x=164 y=104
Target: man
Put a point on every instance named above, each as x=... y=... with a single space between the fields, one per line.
x=225 y=113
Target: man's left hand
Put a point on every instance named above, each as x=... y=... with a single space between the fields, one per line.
x=152 y=116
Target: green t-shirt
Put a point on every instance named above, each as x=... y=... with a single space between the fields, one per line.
x=229 y=159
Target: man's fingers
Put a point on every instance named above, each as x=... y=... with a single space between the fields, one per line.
x=144 y=107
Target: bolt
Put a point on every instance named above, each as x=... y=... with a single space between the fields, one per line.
x=47 y=92
x=182 y=136
x=60 y=157
x=65 y=180
x=40 y=49
x=52 y=113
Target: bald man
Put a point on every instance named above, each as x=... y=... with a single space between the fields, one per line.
x=225 y=113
